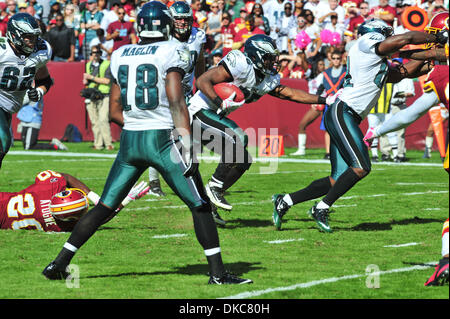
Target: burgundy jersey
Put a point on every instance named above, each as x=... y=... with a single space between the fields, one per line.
x=30 y=208
x=437 y=80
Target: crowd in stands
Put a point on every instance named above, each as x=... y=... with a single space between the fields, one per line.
x=306 y=31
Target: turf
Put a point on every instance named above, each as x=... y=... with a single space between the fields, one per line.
x=125 y=259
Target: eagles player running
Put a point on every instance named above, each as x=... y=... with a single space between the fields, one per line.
x=255 y=72
x=149 y=90
x=195 y=38
x=367 y=71
x=23 y=58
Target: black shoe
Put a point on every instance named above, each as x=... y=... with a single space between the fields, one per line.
x=400 y=159
x=228 y=279
x=321 y=218
x=219 y=221
x=375 y=159
x=326 y=156
x=280 y=207
x=155 y=188
x=215 y=194
x=53 y=272
x=385 y=158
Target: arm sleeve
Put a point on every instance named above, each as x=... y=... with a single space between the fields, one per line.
x=405 y=117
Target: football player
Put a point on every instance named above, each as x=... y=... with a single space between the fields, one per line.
x=23 y=58
x=149 y=89
x=195 y=38
x=30 y=208
x=255 y=72
x=367 y=71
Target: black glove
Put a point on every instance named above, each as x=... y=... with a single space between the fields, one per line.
x=442 y=37
x=35 y=95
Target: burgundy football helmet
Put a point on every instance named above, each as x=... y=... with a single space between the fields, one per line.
x=69 y=205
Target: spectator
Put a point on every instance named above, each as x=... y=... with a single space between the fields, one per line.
x=121 y=31
x=357 y=17
x=3 y=19
x=284 y=25
x=274 y=11
x=329 y=10
x=55 y=9
x=233 y=7
x=312 y=28
x=334 y=26
x=227 y=34
x=221 y=4
x=90 y=22
x=128 y=6
x=30 y=121
x=11 y=7
x=299 y=67
x=216 y=56
x=246 y=33
x=240 y=21
x=98 y=76
x=260 y=20
x=72 y=18
x=105 y=45
x=38 y=8
x=110 y=16
x=384 y=12
x=199 y=18
x=213 y=22
x=284 y=71
x=315 y=7
x=22 y=7
x=62 y=41
x=298 y=7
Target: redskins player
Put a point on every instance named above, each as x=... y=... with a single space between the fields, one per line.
x=435 y=91
x=30 y=208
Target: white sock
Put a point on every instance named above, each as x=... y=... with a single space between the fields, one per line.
x=288 y=200
x=445 y=239
x=394 y=152
x=429 y=141
x=322 y=205
x=374 y=151
x=301 y=141
x=152 y=174
x=215 y=182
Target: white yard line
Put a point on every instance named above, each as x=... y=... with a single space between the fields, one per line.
x=210 y=158
x=402 y=245
x=282 y=241
x=256 y=293
x=169 y=236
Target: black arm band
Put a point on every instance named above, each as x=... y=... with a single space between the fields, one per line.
x=47 y=82
x=218 y=102
x=321 y=100
x=176 y=69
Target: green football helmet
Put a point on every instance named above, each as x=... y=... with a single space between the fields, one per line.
x=377 y=26
x=154 y=21
x=263 y=53
x=23 y=32
x=181 y=10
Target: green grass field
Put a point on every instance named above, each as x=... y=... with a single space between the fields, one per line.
x=150 y=250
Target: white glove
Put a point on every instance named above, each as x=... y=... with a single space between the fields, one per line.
x=229 y=105
x=136 y=192
x=331 y=98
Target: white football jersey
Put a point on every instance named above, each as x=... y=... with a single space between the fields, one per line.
x=17 y=73
x=195 y=44
x=366 y=74
x=140 y=71
x=244 y=77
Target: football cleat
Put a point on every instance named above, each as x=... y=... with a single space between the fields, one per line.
x=426 y=153
x=215 y=194
x=53 y=272
x=440 y=275
x=321 y=218
x=59 y=144
x=217 y=219
x=299 y=152
x=280 y=207
x=375 y=159
x=155 y=188
x=228 y=279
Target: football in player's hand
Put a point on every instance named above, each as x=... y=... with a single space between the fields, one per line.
x=69 y=205
x=224 y=90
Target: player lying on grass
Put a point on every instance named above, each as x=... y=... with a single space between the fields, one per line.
x=367 y=71
x=255 y=72
x=31 y=207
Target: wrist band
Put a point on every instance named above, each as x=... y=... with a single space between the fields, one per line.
x=218 y=101
x=321 y=100
x=93 y=197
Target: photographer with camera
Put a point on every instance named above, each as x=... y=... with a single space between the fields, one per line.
x=98 y=84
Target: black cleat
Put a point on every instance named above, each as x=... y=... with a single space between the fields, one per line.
x=155 y=188
x=215 y=194
x=219 y=221
x=53 y=272
x=280 y=207
x=375 y=159
x=228 y=279
x=321 y=218
x=385 y=158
